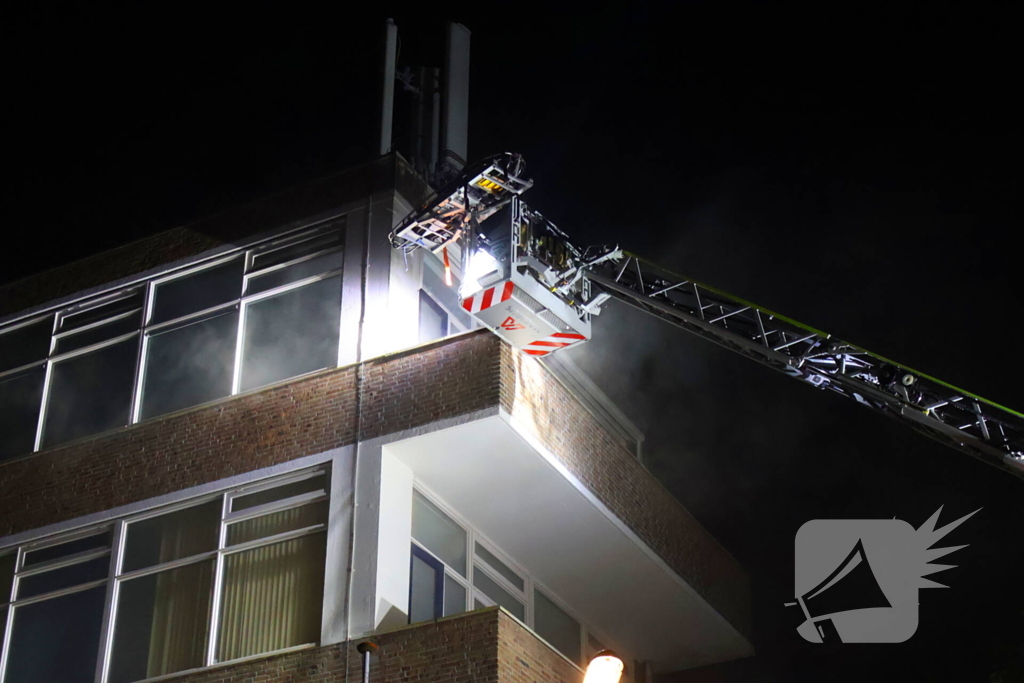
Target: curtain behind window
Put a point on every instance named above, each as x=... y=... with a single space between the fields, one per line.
x=272 y=596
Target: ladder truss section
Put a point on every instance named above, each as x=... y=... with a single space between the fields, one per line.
x=967 y=422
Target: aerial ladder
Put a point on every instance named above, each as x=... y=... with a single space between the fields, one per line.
x=523 y=279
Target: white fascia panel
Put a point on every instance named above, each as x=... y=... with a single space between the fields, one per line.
x=393 y=545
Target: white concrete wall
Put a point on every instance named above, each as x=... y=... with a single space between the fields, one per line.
x=391 y=320
x=333 y=628
x=379 y=595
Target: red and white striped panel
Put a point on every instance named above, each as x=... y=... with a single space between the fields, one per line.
x=558 y=340
x=489 y=297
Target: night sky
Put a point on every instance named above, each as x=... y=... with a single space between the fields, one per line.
x=855 y=169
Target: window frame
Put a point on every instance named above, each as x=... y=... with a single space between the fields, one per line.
x=474 y=594
x=332 y=230
x=115 y=578
x=441 y=574
x=426 y=299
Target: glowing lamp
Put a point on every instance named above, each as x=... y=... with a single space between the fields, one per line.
x=481 y=264
x=605 y=667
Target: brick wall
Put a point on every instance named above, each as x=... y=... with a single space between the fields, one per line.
x=525 y=658
x=604 y=464
x=317 y=413
x=485 y=646
x=249 y=432
x=461 y=649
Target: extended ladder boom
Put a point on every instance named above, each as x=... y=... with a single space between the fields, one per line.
x=523 y=279
x=967 y=422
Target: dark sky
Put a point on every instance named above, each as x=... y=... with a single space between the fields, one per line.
x=853 y=168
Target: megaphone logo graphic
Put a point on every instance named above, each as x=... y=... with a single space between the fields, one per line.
x=857 y=579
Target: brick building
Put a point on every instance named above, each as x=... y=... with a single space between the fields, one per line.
x=233 y=451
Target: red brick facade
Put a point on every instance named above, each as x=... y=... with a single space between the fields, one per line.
x=524 y=658
x=249 y=432
x=314 y=414
x=485 y=646
x=457 y=649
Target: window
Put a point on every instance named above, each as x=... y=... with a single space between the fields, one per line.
x=444 y=298
x=291 y=333
x=433 y=319
x=23 y=352
x=190 y=364
x=454 y=569
x=90 y=393
x=439 y=533
x=20 y=395
x=498 y=595
x=554 y=625
x=262 y=315
x=427 y=581
x=180 y=597
x=56 y=608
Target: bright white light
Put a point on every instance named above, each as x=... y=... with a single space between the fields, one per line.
x=481 y=264
x=606 y=667
x=469 y=288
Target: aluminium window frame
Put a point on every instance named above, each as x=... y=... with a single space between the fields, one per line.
x=319 y=229
x=441 y=573
x=12 y=602
x=116 y=549
x=474 y=594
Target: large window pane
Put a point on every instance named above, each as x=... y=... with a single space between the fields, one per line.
x=292 y=333
x=20 y=399
x=433 y=319
x=162 y=623
x=277 y=523
x=197 y=292
x=500 y=567
x=173 y=536
x=438 y=533
x=491 y=589
x=423 y=595
x=25 y=344
x=555 y=626
x=63 y=577
x=296 y=488
x=454 y=596
x=273 y=597
x=190 y=365
x=57 y=640
x=90 y=393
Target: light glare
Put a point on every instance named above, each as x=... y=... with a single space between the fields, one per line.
x=481 y=264
x=606 y=667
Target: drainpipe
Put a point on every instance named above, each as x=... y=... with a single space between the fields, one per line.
x=366 y=648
